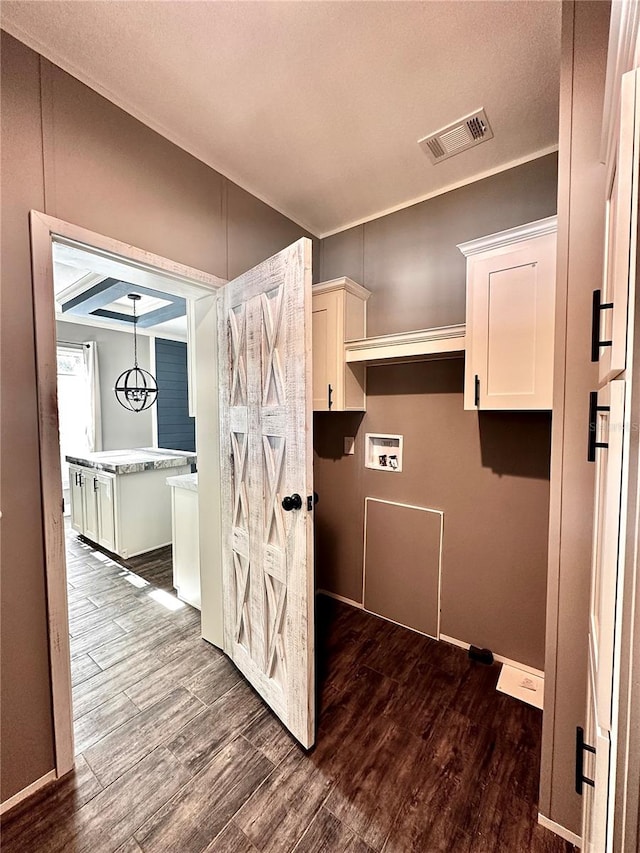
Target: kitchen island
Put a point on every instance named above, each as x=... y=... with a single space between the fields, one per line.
x=119 y=498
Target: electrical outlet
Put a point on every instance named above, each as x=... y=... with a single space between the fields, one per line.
x=349 y=445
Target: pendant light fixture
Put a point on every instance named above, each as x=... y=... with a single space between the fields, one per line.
x=136 y=389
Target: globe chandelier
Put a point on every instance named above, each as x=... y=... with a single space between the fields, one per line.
x=136 y=389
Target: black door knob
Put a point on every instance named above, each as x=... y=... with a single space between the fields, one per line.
x=292 y=502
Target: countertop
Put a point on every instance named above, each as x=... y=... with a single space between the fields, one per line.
x=135 y=460
x=184 y=481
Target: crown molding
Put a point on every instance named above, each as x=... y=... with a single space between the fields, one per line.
x=342 y=283
x=512 y=235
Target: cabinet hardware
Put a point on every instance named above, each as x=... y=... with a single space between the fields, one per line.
x=290 y=502
x=329 y=396
x=581 y=748
x=592 y=444
x=476 y=392
x=596 y=307
x=75 y=477
x=95 y=484
x=312 y=500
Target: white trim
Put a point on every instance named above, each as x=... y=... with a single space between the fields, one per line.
x=136 y=267
x=154 y=409
x=342 y=598
x=520 y=233
x=416 y=344
x=342 y=283
x=500 y=658
x=49 y=777
x=79 y=286
x=364 y=562
x=114 y=326
x=569 y=836
x=621 y=57
x=45 y=230
x=480 y=176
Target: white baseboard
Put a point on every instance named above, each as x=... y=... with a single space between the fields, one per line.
x=500 y=658
x=28 y=791
x=569 y=836
x=341 y=598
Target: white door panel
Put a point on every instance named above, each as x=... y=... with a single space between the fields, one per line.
x=264 y=334
x=606 y=440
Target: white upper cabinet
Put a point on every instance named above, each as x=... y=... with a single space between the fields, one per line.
x=339 y=315
x=510 y=318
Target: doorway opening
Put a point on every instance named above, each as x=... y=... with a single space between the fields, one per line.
x=115 y=614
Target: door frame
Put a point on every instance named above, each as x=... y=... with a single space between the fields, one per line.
x=45 y=231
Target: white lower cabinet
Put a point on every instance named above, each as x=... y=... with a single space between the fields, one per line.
x=127 y=514
x=186 y=538
x=106 y=511
x=92 y=505
x=75 y=497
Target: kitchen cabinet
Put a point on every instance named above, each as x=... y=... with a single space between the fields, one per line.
x=510 y=318
x=186 y=538
x=339 y=314
x=92 y=506
x=119 y=500
x=89 y=505
x=106 y=510
x=75 y=496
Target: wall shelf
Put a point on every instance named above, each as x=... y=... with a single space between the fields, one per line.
x=441 y=342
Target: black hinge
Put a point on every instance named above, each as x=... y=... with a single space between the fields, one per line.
x=592 y=444
x=476 y=391
x=581 y=747
x=311 y=501
x=329 y=396
x=596 y=308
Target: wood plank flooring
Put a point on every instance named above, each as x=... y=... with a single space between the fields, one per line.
x=416 y=751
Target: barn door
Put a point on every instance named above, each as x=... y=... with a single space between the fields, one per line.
x=264 y=334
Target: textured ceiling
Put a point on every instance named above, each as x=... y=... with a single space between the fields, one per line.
x=316 y=107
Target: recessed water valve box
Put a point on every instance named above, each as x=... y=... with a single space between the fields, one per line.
x=383 y=452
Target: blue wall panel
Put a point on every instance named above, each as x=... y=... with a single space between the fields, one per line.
x=175 y=428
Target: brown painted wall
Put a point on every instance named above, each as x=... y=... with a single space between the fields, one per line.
x=409 y=258
x=494 y=495
x=103 y=170
x=489 y=473
x=26 y=722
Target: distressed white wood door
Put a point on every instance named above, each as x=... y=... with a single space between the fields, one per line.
x=609 y=433
x=264 y=334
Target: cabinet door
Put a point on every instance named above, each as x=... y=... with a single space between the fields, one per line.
x=610 y=311
x=106 y=511
x=75 y=495
x=510 y=321
x=327 y=337
x=90 y=504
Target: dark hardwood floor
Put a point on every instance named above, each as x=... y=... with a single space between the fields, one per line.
x=416 y=751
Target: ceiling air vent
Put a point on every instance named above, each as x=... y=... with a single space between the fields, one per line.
x=462 y=134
